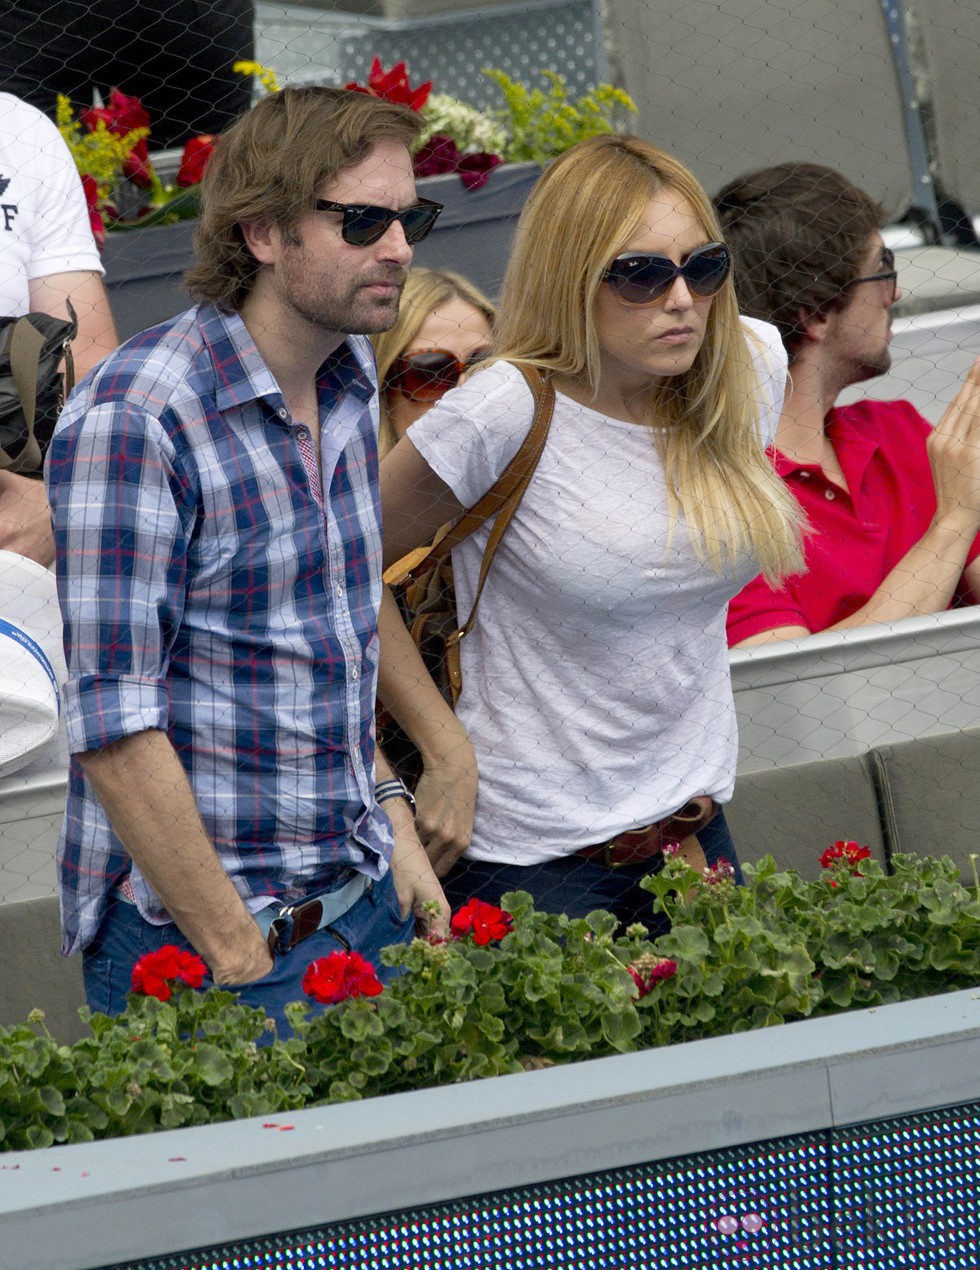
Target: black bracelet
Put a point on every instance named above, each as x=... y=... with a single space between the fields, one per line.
x=393 y=788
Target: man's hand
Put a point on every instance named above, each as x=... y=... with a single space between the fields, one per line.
x=415 y=883
x=25 y=518
x=954 y=453
x=247 y=961
x=147 y=796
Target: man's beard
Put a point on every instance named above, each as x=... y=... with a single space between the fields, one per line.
x=872 y=368
x=351 y=313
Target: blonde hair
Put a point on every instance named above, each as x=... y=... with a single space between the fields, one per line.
x=580 y=215
x=425 y=291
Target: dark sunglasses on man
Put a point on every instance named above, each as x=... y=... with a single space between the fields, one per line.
x=641 y=277
x=364 y=224
x=426 y=375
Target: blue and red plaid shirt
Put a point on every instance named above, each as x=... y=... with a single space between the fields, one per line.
x=205 y=594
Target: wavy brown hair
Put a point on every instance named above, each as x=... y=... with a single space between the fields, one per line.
x=270 y=165
x=580 y=216
x=799 y=234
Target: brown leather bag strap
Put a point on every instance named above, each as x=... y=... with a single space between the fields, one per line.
x=511 y=483
x=504 y=496
x=516 y=476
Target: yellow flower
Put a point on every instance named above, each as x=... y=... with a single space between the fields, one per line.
x=99 y=154
x=264 y=74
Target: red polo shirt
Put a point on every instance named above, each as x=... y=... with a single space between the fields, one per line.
x=855 y=538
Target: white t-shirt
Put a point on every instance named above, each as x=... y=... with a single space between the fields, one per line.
x=32 y=670
x=596 y=687
x=44 y=225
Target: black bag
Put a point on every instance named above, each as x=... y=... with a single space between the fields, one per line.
x=32 y=391
x=424 y=589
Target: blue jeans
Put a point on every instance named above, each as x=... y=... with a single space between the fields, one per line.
x=373 y=923
x=576 y=886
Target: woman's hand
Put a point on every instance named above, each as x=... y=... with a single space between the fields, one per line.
x=446 y=798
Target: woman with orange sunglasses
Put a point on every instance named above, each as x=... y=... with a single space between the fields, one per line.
x=444 y=328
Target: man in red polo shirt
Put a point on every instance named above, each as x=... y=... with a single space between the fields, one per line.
x=893 y=504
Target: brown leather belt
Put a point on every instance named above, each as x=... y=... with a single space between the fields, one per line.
x=636 y=845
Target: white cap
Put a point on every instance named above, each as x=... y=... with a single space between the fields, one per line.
x=32 y=663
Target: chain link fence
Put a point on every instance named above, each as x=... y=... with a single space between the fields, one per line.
x=885 y=93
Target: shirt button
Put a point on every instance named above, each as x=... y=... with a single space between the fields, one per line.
x=282 y=412
x=339 y=591
x=355 y=673
x=829 y=495
x=302 y=433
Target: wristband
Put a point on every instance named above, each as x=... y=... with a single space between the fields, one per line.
x=393 y=789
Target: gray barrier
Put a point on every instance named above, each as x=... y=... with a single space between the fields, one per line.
x=96 y=1204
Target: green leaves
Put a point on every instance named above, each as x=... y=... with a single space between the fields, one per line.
x=543 y=123
x=553 y=990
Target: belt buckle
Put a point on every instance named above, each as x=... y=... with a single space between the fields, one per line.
x=293 y=924
x=610 y=846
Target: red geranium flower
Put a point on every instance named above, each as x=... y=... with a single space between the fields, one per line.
x=155 y=971
x=194 y=160
x=122 y=115
x=845 y=852
x=94 y=215
x=393 y=86
x=651 y=970
x=333 y=979
x=484 y=921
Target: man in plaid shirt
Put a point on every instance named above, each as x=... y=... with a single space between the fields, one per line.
x=215 y=504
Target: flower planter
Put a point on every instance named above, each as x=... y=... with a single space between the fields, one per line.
x=144 y=267
x=778 y=1171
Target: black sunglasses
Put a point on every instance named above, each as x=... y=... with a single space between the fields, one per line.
x=638 y=277
x=364 y=224
x=888 y=274
x=426 y=375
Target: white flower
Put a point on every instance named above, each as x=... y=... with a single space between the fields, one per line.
x=473 y=131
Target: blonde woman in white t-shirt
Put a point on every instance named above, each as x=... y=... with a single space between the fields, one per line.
x=596 y=695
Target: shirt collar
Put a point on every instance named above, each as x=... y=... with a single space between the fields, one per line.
x=242 y=376
x=854 y=446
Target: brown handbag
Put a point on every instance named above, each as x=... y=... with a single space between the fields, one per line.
x=422 y=582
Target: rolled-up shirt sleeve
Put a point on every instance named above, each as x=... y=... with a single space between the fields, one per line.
x=760 y=607
x=120 y=520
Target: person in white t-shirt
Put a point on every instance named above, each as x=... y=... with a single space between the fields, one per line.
x=47 y=257
x=32 y=670
x=596 y=692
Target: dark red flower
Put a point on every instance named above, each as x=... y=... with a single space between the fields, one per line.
x=122 y=115
x=648 y=971
x=475 y=169
x=393 y=86
x=194 y=160
x=156 y=971
x=333 y=979
x=484 y=921
x=94 y=215
x=441 y=154
x=845 y=852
